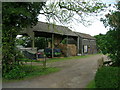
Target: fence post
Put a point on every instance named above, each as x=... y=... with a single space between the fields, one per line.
x=100 y=62
x=44 y=62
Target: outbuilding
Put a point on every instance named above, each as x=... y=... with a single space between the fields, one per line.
x=76 y=43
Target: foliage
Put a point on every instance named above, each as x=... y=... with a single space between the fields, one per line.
x=107 y=77
x=63 y=11
x=112 y=38
x=24 y=41
x=101 y=43
x=32 y=71
x=40 y=42
x=28 y=71
x=91 y=84
x=64 y=41
x=68 y=58
x=15 y=17
x=15 y=73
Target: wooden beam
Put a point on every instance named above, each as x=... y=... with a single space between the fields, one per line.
x=33 y=40
x=45 y=42
x=81 y=46
x=78 y=45
x=52 y=45
x=67 y=46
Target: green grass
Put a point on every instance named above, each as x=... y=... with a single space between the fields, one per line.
x=34 y=71
x=28 y=60
x=107 y=77
x=50 y=60
x=91 y=84
x=39 y=70
x=68 y=58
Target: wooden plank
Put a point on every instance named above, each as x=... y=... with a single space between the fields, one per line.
x=33 y=41
x=67 y=46
x=81 y=46
x=78 y=45
x=52 y=45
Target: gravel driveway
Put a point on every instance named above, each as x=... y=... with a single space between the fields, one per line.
x=74 y=74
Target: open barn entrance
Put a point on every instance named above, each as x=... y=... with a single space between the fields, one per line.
x=53 y=45
x=56 y=35
x=62 y=41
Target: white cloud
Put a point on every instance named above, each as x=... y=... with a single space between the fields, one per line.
x=95 y=29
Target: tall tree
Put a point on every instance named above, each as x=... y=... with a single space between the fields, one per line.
x=113 y=35
x=16 y=16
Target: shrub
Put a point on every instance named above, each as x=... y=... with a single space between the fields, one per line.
x=15 y=73
x=107 y=77
x=27 y=71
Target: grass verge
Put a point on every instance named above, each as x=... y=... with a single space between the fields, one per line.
x=33 y=71
x=91 y=84
x=50 y=60
x=68 y=58
x=108 y=77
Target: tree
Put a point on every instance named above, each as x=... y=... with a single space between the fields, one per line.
x=40 y=42
x=101 y=43
x=15 y=17
x=113 y=35
x=63 y=11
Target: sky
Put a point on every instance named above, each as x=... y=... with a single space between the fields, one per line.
x=96 y=28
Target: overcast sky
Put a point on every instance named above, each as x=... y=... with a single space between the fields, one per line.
x=96 y=28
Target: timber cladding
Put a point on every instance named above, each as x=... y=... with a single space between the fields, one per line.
x=90 y=46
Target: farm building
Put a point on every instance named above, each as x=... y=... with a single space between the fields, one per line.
x=86 y=43
x=75 y=43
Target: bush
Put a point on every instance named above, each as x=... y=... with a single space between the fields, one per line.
x=15 y=73
x=107 y=77
x=27 y=71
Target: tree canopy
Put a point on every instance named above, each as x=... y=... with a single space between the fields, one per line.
x=16 y=16
x=110 y=43
x=63 y=11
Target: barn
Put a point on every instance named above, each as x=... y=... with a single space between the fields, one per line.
x=76 y=43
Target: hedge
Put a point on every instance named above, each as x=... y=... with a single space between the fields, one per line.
x=108 y=77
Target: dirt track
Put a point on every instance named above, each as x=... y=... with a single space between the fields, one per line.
x=74 y=74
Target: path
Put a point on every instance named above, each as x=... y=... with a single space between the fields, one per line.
x=74 y=74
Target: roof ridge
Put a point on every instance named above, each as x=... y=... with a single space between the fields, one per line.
x=52 y=24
